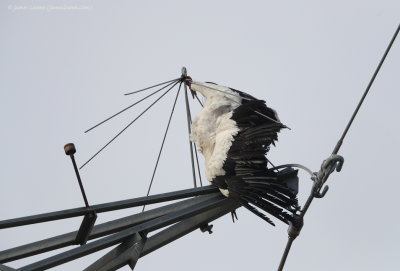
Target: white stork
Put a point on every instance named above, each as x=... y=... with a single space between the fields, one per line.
x=234 y=132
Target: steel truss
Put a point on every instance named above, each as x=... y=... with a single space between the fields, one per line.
x=131 y=234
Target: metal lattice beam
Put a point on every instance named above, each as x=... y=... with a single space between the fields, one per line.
x=128 y=233
x=100 y=230
x=106 y=207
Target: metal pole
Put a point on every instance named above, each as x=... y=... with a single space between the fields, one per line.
x=70 y=150
x=107 y=207
x=189 y=122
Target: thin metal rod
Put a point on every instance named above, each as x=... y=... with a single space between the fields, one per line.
x=126 y=127
x=340 y=142
x=205 y=86
x=285 y=253
x=195 y=95
x=126 y=108
x=198 y=165
x=107 y=207
x=194 y=144
x=269 y=161
x=265 y=116
x=137 y=91
x=79 y=180
x=189 y=121
x=162 y=143
x=244 y=98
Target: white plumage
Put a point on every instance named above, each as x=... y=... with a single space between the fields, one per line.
x=234 y=132
x=213 y=130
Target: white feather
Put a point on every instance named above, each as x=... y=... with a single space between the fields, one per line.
x=213 y=130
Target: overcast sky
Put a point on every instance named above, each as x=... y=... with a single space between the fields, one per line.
x=64 y=65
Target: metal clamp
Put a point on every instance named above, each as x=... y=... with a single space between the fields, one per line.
x=332 y=163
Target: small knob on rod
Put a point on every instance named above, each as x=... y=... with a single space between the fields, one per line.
x=69 y=149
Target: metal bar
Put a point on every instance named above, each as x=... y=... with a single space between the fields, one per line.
x=134 y=253
x=79 y=181
x=198 y=165
x=110 y=260
x=117 y=257
x=100 y=230
x=189 y=130
x=126 y=253
x=6 y=268
x=86 y=227
x=124 y=235
x=70 y=150
x=184 y=227
x=106 y=207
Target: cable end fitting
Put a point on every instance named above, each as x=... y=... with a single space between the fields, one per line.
x=295 y=226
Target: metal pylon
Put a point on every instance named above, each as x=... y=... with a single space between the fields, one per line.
x=132 y=234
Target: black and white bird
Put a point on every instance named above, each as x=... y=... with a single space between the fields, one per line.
x=234 y=132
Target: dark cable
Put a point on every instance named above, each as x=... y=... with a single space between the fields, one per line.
x=195 y=95
x=126 y=127
x=162 y=144
x=337 y=147
x=126 y=108
x=285 y=253
x=133 y=92
x=339 y=144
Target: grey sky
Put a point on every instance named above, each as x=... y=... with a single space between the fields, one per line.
x=62 y=69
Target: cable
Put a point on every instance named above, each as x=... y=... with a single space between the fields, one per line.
x=126 y=127
x=199 y=100
x=335 y=151
x=133 y=92
x=162 y=144
x=126 y=108
x=339 y=144
x=294 y=165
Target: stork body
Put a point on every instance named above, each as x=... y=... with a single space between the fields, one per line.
x=234 y=132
